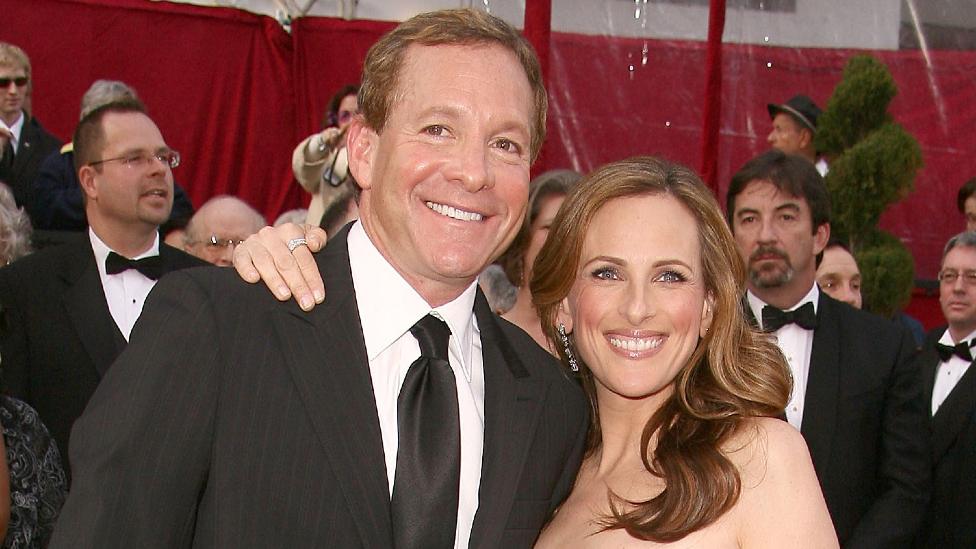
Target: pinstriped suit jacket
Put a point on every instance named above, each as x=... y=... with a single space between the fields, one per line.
x=232 y=420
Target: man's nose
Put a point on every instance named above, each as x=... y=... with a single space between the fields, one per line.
x=472 y=166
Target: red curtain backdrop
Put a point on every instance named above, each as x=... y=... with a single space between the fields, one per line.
x=234 y=93
x=218 y=82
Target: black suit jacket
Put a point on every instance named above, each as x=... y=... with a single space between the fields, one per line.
x=864 y=421
x=233 y=420
x=35 y=145
x=58 y=337
x=951 y=519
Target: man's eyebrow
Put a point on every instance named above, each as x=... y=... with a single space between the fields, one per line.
x=443 y=110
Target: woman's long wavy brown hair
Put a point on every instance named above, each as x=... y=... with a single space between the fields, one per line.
x=735 y=372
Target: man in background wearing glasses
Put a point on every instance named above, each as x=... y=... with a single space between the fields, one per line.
x=68 y=310
x=24 y=144
x=219 y=225
x=950 y=390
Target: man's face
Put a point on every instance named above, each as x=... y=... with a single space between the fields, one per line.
x=969 y=207
x=12 y=96
x=839 y=276
x=957 y=292
x=137 y=195
x=787 y=135
x=445 y=184
x=774 y=231
x=218 y=232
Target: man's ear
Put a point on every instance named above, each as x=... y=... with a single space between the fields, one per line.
x=563 y=315
x=806 y=137
x=820 y=238
x=361 y=143
x=86 y=178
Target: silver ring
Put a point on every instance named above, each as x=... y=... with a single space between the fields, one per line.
x=296 y=242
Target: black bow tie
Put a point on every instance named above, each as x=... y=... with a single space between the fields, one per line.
x=961 y=350
x=151 y=267
x=773 y=319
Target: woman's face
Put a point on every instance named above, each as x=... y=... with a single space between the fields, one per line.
x=348 y=107
x=638 y=305
x=539 y=231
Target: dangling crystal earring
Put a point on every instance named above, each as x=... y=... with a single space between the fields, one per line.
x=573 y=365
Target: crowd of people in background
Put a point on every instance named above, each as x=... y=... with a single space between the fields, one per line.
x=697 y=376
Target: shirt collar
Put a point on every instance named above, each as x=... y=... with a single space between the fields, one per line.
x=389 y=306
x=15 y=129
x=757 y=304
x=101 y=250
x=946 y=338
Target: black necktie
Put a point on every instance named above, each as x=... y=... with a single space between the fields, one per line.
x=773 y=319
x=961 y=350
x=7 y=160
x=428 y=465
x=151 y=267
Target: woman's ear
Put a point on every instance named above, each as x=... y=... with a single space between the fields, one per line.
x=708 y=314
x=563 y=315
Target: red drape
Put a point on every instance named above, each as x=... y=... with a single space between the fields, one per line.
x=217 y=82
x=713 y=94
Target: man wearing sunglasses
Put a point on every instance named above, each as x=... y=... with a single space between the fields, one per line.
x=24 y=144
x=68 y=310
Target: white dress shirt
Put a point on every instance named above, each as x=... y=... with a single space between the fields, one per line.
x=125 y=292
x=388 y=308
x=796 y=344
x=15 y=129
x=949 y=372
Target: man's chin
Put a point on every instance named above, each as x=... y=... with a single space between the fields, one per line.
x=770 y=279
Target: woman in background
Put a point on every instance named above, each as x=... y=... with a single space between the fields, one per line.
x=32 y=482
x=546 y=194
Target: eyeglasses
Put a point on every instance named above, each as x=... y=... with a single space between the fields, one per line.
x=20 y=81
x=346 y=116
x=216 y=242
x=950 y=276
x=139 y=160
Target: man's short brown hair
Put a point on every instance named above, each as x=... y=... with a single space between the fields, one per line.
x=461 y=27
x=89 y=137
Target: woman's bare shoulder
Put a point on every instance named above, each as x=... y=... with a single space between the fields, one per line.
x=781 y=503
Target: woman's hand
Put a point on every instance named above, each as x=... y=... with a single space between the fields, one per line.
x=266 y=256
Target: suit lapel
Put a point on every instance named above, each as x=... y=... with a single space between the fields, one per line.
x=513 y=402
x=823 y=385
x=954 y=413
x=86 y=306
x=326 y=354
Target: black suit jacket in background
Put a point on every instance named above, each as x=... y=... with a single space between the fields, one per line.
x=35 y=145
x=864 y=421
x=234 y=420
x=951 y=519
x=57 y=337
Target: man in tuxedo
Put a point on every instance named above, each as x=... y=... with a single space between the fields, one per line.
x=950 y=391
x=856 y=398
x=68 y=311
x=24 y=144
x=401 y=412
